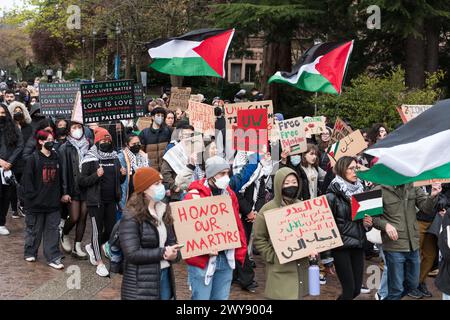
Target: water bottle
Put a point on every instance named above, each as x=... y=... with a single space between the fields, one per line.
x=314 y=278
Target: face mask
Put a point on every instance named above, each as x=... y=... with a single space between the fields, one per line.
x=105 y=147
x=159 y=192
x=158 y=120
x=289 y=192
x=60 y=132
x=222 y=183
x=18 y=116
x=77 y=133
x=135 y=149
x=295 y=160
x=48 y=145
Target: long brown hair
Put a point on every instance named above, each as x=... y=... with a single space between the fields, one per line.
x=137 y=205
x=311 y=147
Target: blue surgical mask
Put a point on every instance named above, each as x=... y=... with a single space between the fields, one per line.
x=295 y=160
x=159 y=192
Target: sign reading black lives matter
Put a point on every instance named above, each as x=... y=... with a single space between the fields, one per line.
x=57 y=99
x=108 y=101
x=139 y=99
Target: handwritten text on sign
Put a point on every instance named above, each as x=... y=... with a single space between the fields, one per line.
x=314 y=125
x=201 y=117
x=231 y=110
x=292 y=135
x=301 y=229
x=179 y=98
x=409 y=111
x=340 y=131
x=205 y=225
x=250 y=134
x=350 y=146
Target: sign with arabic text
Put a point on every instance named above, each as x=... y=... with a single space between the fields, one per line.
x=298 y=230
x=350 y=146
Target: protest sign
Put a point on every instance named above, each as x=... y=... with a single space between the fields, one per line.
x=298 y=230
x=179 y=98
x=205 y=225
x=340 y=130
x=196 y=97
x=314 y=125
x=410 y=111
x=350 y=146
x=231 y=110
x=292 y=135
x=430 y=182
x=201 y=117
x=108 y=101
x=139 y=100
x=250 y=133
x=57 y=99
x=143 y=123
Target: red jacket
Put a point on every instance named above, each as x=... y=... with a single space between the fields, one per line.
x=198 y=189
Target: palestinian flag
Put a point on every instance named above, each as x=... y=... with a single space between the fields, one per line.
x=320 y=69
x=197 y=53
x=367 y=204
x=418 y=150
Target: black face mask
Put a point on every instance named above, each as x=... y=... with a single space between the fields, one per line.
x=61 y=132
x=18 y=116
x=49 y=145
x=105 y=147
x=135 y=149
x=289 y=192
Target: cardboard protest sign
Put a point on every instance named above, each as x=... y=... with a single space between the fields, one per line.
x=292 y=135
x=139 y=100
x=143 y=123
x=340 y=130
x=430 y=182
x=108 y=101
x=298 y=230
x=314 y=125
x=250 y=133
x=410 y=111
x=201 y=117
x=179 y=98
x=350 y=146
x=196 y=97
x=205 y=225
x=57 y=99
x=231 y=110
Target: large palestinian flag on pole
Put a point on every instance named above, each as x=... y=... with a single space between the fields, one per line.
x=197 y=53
x=320 y=69
x=418 y=150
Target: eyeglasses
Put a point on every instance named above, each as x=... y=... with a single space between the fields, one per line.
x=352 y=169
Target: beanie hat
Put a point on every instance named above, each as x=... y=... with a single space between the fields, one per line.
x=144 y=177
x=101 y=134
x=214 y=165
x=279 y=116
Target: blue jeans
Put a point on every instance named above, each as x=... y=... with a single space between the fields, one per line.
x=165 y=291
x=403 y=267
x=383 y=290
x=445 y=296
x=220 y=284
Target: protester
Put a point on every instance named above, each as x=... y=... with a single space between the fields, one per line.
x=101 y=175
x=156 y=138
x=11 y=146
x=180 y=116
x=288 y=280
x=9 y=97
x=148 y=242
x=170 y=120
x=324 y=141
x=210 y=276
x=71 y=156
x=41 y=191
x=443 y=278
x=61 y=131
x=30 y=144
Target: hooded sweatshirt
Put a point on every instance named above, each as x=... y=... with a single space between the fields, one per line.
x=41 y=183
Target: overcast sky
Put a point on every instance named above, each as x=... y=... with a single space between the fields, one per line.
x=8 y=4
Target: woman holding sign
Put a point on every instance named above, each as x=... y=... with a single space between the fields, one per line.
x=148 y=241
x=348 y=259
x=289 y=280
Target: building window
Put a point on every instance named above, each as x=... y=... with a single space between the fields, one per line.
x=250 y=72
x=236 y=72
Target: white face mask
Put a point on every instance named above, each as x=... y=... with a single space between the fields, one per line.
x=159 y=120
x=77 y=133
x=295 y=160
x=222 y=183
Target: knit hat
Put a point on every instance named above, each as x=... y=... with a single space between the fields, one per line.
x=144 y=177
x=214 y=165
x=101 y=134
x=279 y=116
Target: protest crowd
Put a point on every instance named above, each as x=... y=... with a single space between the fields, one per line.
x=211 y=183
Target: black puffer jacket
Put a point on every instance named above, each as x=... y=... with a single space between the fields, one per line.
x=70 y=172
x=140 y=246
x=353 y=233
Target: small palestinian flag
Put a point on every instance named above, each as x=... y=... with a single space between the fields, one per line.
x=418 y=150
x=333 y=149
x=197 y=53
x=367 y=204
x=320 y=69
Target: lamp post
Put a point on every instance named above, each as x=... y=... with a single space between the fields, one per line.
x=316 y=42
x=94 y=32
x=117 y=62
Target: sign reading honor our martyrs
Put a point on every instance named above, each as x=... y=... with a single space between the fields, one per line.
x=108 y=101
x=57 y=99
x=205 y=225
x=301 y=229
